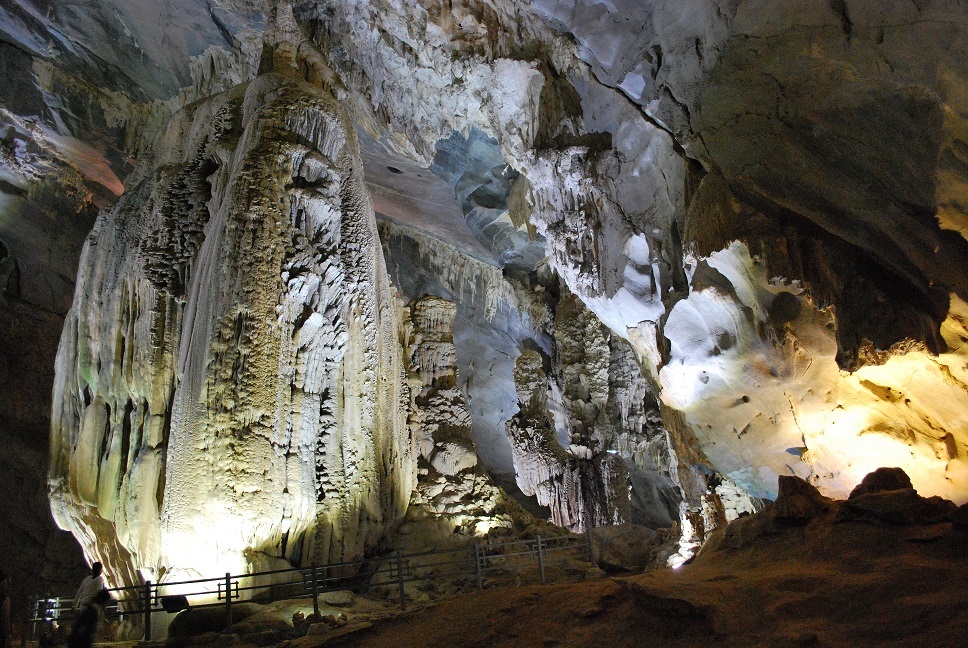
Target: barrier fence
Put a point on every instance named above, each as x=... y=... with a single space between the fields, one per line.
x=391 y=571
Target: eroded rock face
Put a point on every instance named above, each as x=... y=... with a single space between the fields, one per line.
x=230 y=355
x=48 y=202
x=490 y=323
x=451 y=484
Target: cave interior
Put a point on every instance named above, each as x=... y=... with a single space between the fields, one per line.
x=309 y=281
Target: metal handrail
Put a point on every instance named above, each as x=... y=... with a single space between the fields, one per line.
x=397 y=570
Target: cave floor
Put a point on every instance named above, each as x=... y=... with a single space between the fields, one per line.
x=825 y=584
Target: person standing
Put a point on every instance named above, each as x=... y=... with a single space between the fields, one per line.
x=5 y=636
x=90 y=586
x=88 y=622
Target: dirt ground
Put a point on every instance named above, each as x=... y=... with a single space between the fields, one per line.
x=823 y=584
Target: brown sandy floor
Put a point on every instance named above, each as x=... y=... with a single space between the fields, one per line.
x=848 y=584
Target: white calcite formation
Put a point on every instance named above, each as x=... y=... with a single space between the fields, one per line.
x=822 y=348
x=580 y=487
x=605 y=409
x=451 y=484
x=608 y=214
x=225 y=392
x=608 y=406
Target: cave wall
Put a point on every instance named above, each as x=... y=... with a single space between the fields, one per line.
x=44 y=217
x=454 y=494
x=626 y=213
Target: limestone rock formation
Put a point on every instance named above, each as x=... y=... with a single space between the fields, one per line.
x=580 y=487
x=752 y=218
x=231 y=351
x=450 y=484
x=492 y=319
x=632 y=548
x=606 y=401
x=795 y=154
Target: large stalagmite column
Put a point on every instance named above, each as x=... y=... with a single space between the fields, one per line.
x=227 y=384
x=579 y=490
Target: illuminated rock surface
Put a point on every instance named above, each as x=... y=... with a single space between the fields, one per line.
x=724 y=242
x=450 y=484
x=244 y=371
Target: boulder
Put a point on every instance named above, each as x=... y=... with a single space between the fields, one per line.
x=339 y=598
x=882 y=479
x=318 y=629
x=959 y=518
x=797 y=502
x=626 y=547
x=335 y=620
x=261 y=623
x=302 y=624
x=898 y=507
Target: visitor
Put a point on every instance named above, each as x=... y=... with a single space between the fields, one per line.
x=88 y=622
x=5 y=640
x=90 y=586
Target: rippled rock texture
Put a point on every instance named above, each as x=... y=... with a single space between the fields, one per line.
x=225 y=389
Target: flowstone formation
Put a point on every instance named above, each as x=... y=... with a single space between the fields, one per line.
x=225 y=396
x=606 y=409
x=580 y=488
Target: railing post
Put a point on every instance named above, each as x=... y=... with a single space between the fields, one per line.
x=42 y=605
x=591 y=544
x=23 y=634
x=147 y=610
x=46 y=606
x=228 y=601
x=477 y=565
x=403 y=597
x=33 y=620
x=541 y=561
x=315 y=593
